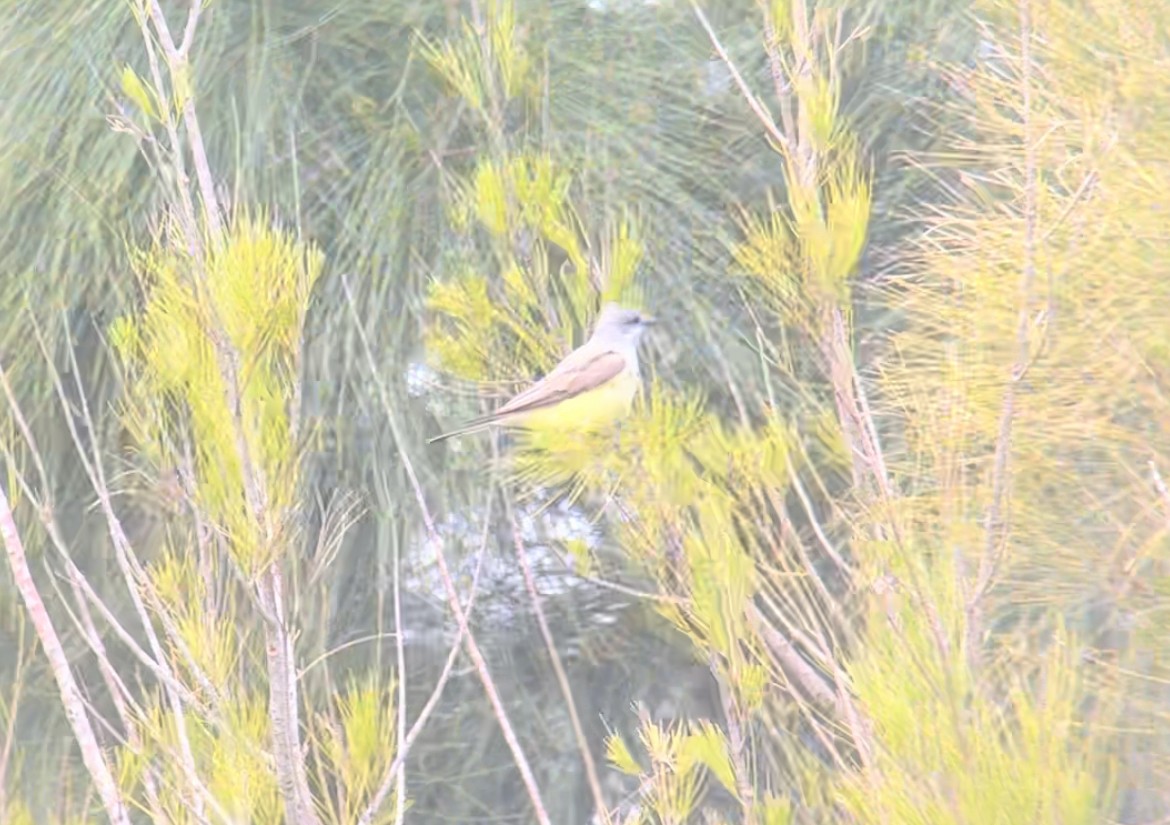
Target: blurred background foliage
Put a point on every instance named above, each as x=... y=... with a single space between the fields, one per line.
x=886 y=541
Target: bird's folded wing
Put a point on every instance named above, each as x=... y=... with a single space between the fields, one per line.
x=569 y=380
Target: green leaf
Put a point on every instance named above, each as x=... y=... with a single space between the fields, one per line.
x=137 y=91
x=619 y=755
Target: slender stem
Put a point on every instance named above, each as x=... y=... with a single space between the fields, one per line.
x=132 y=571
x=400 y=728
x=407 y=741
x=994 y=525
x=562 y=679
x=283 y=710
x=182 y=181
x=435 y=544
x=737 y=743
x=179 y=66
x=11 y=709
x=91 y=753
x=757 y=107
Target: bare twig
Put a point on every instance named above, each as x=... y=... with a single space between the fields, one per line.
x=752 y=101
x=12 y=707
x=400 y=654
x=189 y=30
x=826 y=545
x=737 y=744
x=137 y=582
x=1160 y=486
x=181 y=74
x=406 y=742
x=188 y=219
x=282 y=702
x=781 y=85
x=91 y=753
x=994 y=527
x=559 y=670
x=114 y=683
x=132 y=571
x=436 y=546
x=804 y=674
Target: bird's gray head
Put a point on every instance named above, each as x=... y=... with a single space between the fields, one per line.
x=618 y=324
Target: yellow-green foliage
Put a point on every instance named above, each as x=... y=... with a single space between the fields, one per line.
x=238 y=766
x=512 y=59
x=648 y=447
x=805 y=256
x=472 y=75
x=230 y=759
x=458 y=63
x=357 y=745
x=697 y=501
x=670 y=787
x=1053 y=244
x=529 y=304
x=679 y=757
x=239 y=318
x=720 y=576
x=950 y=754
x=690 y=484
x=213 y=640
x=17 y=813
x=1085 y=422
x=137 y=91
x=820 y=97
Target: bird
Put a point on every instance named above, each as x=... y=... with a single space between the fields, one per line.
x=593 y=385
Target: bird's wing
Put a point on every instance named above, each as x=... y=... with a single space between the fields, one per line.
x=578 y=373
x=583 y=369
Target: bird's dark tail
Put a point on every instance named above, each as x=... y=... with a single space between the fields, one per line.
x=474 y=426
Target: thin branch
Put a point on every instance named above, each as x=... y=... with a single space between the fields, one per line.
x=114 y=684
x=132 y=571
x=283 y=709
x=189 y=30
x=11 y=709
x=752 y=100
x=815 y=685
x=91 y=753
x=48 y=519
x=180 y=67
x=436 y=546
x=400 y=658
x=182 y=181
x=994 y=527
x=407 y=741
x=559 y=670
x=161 y=672
x=737 y=743
x=780 y=84
x=1160 y=485
x=827 y=545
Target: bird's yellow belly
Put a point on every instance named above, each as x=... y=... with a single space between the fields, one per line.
x=589 y=410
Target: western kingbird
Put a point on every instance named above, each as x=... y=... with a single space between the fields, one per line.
x=594 y=384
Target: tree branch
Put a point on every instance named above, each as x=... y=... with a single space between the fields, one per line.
x=994 y=525
x=91 y=753
x=562 y=679
x=435 y=544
